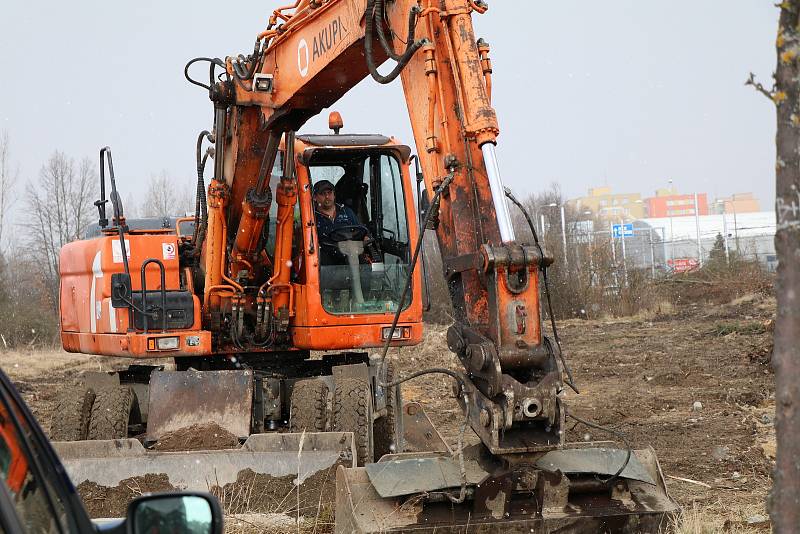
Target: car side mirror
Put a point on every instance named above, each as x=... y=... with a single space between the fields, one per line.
x=195 y=513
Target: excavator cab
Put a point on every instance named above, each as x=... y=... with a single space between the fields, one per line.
x=354 y=230
x=364 y=248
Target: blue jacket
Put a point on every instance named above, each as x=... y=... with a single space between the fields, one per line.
x=344 y=217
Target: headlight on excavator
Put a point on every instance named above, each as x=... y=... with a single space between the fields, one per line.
x=400 y=332
x=163 y=343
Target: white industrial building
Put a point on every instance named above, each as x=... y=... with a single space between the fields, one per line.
x=751 y=235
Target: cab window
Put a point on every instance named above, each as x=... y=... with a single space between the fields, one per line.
x=362 y=230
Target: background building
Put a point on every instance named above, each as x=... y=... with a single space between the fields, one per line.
x=737 y=203
x=750 y=236
x=607 y=205
x=666 y=203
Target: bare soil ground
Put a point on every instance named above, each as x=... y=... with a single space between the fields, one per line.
x=642 y=376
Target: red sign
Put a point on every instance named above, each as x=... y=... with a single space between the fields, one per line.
x=683 y=265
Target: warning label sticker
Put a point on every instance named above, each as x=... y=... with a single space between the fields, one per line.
x=168 y=251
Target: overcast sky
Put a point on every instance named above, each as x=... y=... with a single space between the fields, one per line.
x=622 y=93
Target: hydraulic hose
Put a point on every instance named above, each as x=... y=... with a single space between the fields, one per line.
x=462 y=494
x=613 y=432
x=374 y=9
x=519 y=205
x=201 y=207
x=570 y=381
x=238 y=68
x=434 y=207
x=385 y=43
x=214 y=62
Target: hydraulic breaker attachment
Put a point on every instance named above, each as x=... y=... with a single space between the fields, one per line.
x=570 y=490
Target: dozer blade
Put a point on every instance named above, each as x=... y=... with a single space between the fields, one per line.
x=266 y=462
x=562 y=491
x=181 y=399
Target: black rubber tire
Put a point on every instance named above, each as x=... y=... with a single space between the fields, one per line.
x=308 y=407
x=112 y=413
x=71 y=414
x=352 y=412
x=386 y=429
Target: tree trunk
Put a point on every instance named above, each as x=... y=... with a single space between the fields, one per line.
x=785 y=500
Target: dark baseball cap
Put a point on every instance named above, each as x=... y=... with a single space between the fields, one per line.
x=322 y=186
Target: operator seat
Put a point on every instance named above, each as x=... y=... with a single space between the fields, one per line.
x=353 y=193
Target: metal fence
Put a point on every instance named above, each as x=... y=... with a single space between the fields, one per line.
x=665 y=245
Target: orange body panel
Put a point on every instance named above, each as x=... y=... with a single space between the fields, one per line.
x=89 y=323
x=135 y=345
x=338 y=337
x=86 y=269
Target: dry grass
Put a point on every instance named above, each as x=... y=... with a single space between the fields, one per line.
x=711 y=519
x=276 y=522
x=34 y=363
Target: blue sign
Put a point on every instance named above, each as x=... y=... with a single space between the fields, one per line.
x=622 y=230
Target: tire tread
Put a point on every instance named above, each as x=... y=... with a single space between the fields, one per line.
x=352 y=413
x=308 y=407
x=70 y=420
x=111 y=413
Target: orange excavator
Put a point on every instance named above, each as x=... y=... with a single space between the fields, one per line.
x=306 y=243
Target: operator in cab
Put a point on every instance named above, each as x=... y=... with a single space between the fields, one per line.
x=336 y=223
x=328 y=213
x=345 y=250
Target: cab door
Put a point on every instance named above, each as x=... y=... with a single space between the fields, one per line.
x=372 y=184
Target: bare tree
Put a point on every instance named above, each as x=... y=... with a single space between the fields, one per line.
x=589 y=276
x=785 y=94
x=7 y=181
x=59 y=205
x=164 y=198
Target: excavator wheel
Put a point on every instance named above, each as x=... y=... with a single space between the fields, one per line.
x=308 y=408
x=114 y=409
x=352 y=412
x=386 y=430
x=71 y=415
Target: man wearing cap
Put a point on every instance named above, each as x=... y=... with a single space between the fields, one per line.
x=329 y=214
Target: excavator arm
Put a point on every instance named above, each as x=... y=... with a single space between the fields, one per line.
x=309 y=56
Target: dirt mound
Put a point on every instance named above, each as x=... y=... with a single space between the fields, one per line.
x=264 y=494
x=102 y=501
x=208 y=436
